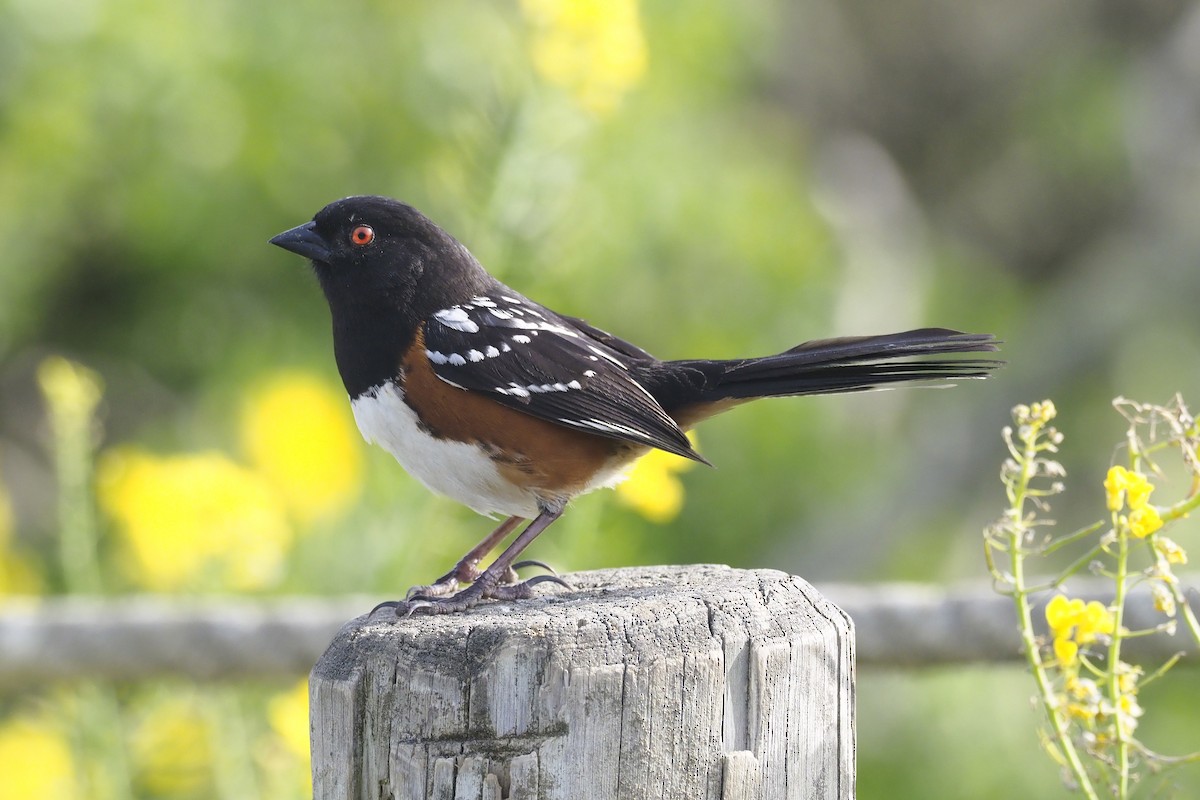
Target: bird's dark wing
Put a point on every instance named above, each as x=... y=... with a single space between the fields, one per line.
x=529 y=358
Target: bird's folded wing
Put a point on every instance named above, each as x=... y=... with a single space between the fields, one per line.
x=529 y=358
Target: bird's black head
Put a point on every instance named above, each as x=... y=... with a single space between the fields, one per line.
x=370 y=250
x=384 y=267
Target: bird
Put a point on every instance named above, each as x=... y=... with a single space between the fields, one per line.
x=513 y=409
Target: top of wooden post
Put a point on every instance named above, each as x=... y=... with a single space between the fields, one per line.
x=671 y=682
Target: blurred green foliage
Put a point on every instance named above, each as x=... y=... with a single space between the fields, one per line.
x=778 y=171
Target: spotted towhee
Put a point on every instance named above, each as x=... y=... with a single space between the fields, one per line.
x=514 y=409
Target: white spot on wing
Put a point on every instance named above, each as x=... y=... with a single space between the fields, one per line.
x=491 y=352
x=436 y=357
x=521 y=338
x=474 y=355
x=455 y=360
x=456 y=318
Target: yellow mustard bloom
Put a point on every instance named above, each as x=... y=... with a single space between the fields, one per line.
x=194 y=520
x=1095 y=620
x=172 y=752
x=1061 y=614
x=1123 y=487
x=1127 y=712
x=592 y=48
x=288 y=714
x=1066 y=651
x=1144 y=521
x=36 y=761
x=73 y=390
x=1085 y=698
x=6 y=519
x=1164 y=598
x=1074 y=619
x=1137 y=493
x=298 y=433
x=1128 y=676
x=653 y=488
x=17 y=576
x=1115 y=483
x=1170 y=550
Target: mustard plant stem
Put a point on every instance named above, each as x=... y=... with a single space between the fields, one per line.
x=1120 y=581
x=1033 y=653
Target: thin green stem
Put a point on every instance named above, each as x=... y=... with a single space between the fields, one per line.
x=1046 y=694
x=1114 y=657
x=1071 y=538
x=1185 y=609
x=1077 y=564
x=76 y=514
x=1181 y=509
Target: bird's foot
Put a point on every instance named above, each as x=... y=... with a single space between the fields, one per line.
x=468 y=573
x=471 y=596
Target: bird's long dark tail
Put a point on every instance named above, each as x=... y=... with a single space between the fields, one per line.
x=831 y=366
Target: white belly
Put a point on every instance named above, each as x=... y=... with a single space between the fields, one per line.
x=455 y=469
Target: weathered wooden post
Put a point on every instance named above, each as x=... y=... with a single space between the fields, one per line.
x=680 y=683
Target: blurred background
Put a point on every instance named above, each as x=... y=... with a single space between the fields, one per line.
x=708 y=179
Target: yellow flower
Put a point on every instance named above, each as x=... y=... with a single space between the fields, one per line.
x=17 y=576
x=1144 y=521
x=1096 y=619
x=1062 y=613
x=172 y=751
x=1074 y=619
x=1138 y=491
x=288 y=714
x=298 y=434
x=1085 y=698
x=1066 y=651
x=652 y=487
x=1170 y=550
x=1115 y=483
x=37 y=761
x=6 y=523
x=194 y=520
x=1121 y=482
x=1164 y=598
x=1128 y=676
x=592 y=48
x=1127 y=711
x=73 y=390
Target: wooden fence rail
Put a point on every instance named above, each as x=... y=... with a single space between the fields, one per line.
x=133 y=638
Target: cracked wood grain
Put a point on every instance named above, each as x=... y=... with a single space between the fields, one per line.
x=696 y=683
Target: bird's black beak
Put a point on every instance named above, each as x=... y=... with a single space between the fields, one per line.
x=303 y=240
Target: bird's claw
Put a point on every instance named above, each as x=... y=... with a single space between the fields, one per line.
x=448 y=584
x=529 y=562
x=469 y=597
x=524 y=590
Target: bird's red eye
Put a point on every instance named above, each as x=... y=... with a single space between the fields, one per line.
x=362 y=235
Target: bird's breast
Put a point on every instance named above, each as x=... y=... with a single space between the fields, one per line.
x=463 y=471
